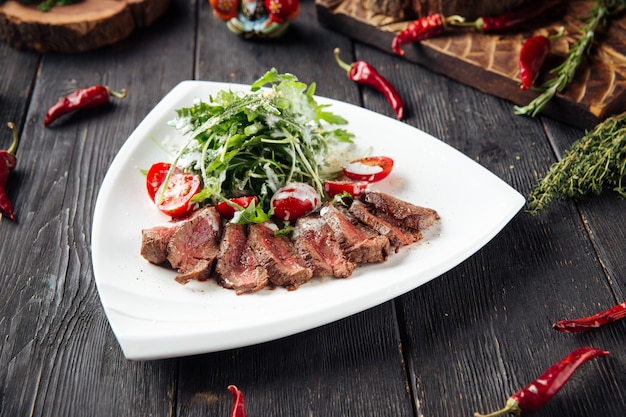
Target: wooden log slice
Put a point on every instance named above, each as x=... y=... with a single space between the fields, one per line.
x=79 y=27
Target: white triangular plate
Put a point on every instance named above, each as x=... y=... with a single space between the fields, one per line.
x=153 y=317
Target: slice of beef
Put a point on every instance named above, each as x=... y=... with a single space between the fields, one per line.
x=401 y=212
x=278 y=255
x=359 y=246
x=154 y=242
x=396 y=236
x=314 y=240
x=194 y=246
x=236 y=267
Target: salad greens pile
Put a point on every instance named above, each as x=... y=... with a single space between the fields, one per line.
x=254 y=142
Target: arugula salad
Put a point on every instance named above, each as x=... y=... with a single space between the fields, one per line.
x=254 y=142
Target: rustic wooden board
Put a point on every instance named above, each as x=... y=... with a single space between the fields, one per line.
x=489 y=62
x=80 y=27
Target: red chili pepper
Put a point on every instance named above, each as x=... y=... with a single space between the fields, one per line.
x=238 y=404
x=84 y=98
x=423 y=28
x=536 y=394
x=363 y=73
x=532 y=56
x=7 y=164
x=592 y=322
x=507 y=21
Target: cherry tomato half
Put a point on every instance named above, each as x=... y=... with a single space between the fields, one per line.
x=294 y=200
x=227 y=211
x=173 y=197
x=371 y=168
x=155 y=177
x=354 y=188
x=281 y=11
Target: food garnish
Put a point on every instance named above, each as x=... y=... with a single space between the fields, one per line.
x=423 y=28
x=508 y=21
x=294 y=200
x=7 y=164
x=369 y=168
x=239 y=409
x=435 y=24
x=364 y=73
x=598 y=17
x=593 y=162
x=253 y=143
x=84 y=98
x=539 y=392
x=228 y=208
x=532 y=56
x=594 y=321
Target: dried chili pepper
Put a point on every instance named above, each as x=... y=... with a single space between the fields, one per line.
x=7 y=164
x=435 y=24
x=536 y=394
x=423 y=28
x=85 y=98
x=238 y=404
x=533 y=54
x=507 y=21
x=364 y=73
x=531 y=58
x=584 y=324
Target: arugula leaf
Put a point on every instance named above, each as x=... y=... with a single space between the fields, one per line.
x=251 y=214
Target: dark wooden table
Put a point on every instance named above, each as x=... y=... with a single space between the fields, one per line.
x=462 y=343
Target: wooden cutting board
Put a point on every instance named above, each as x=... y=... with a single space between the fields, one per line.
x=489 y=62
x=79 y=27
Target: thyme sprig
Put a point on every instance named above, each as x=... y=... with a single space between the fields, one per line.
x=593 y=162
x=598 y=16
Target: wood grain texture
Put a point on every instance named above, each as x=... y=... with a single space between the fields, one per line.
x=489 y=62
x=79 y=27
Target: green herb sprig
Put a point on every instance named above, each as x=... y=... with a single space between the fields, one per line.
x=598 y=16
x=593 y=162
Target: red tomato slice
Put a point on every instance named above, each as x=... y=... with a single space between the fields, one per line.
x=227 y=211
x=281 y=11
x=294 y=200
x=176 y=194
x=355 y=188
x=371 y=168
x=155 y=177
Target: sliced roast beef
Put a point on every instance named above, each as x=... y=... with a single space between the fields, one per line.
x=359 y=246
x=314 y=240
x=154 y=242
x=396 y=236
x=194 y=246
x=237 y=268
x=278 y=255
x=401 y=212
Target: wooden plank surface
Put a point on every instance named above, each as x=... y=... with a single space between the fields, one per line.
x=489 y=62
x=462 y=343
